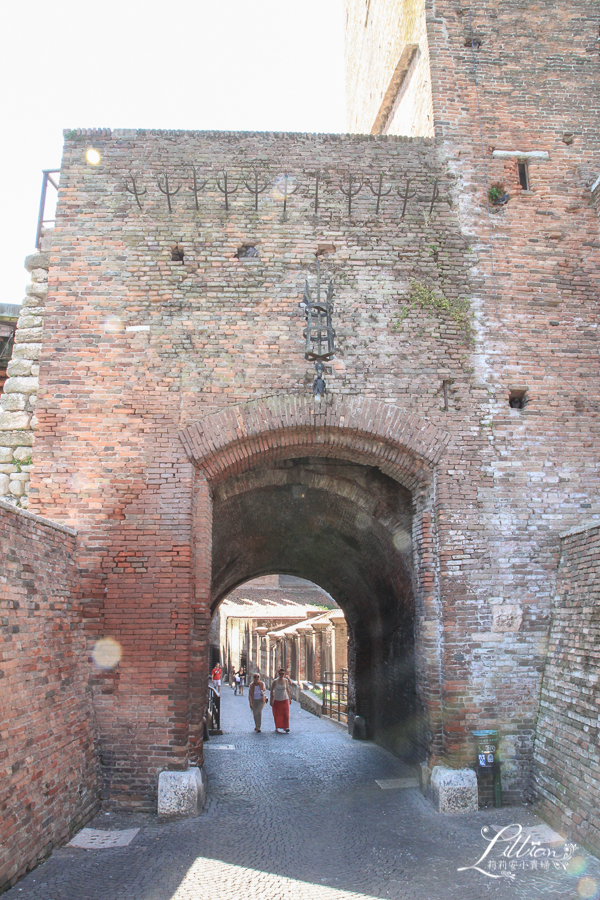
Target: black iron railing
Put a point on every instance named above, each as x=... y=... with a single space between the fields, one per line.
x=213 y=711
x=335 y=695
x=47 y=177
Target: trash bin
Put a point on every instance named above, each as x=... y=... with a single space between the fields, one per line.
x=488 y=758
x=487 y=747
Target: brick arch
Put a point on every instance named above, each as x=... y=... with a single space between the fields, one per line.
x=401 y=444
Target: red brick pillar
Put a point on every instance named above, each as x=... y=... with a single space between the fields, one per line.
x=200 y=620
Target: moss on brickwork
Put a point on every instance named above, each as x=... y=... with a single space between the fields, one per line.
x=423 y=297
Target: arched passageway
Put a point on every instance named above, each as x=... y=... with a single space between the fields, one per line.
x=347 y=527
x=344 y=499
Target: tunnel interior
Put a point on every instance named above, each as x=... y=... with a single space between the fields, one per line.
x=346 y=527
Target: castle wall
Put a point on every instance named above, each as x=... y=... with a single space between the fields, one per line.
x=567 y=757
x=139 y=345
x=49 y=784
x=388 y=77
x=518 y=83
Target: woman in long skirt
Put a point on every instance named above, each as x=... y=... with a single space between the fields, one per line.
x=280 y=701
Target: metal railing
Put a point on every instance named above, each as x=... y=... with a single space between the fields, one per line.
x=335 y=695
x=46 y=173
x=213 y=711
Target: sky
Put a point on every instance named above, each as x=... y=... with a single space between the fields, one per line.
x=265 y=65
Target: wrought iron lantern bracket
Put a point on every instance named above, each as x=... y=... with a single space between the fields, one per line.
x=319 y=333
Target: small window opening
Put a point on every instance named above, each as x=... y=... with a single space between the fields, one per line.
x=473 y=42
x=247 y=251
x=177 y=253
x=523 y=175
x=325 y=249
x=517 y=399
x=445 y=385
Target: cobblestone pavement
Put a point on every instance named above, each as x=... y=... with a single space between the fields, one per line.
x=301 y=817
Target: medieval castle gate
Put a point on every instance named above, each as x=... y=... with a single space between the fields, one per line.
x=180 y=451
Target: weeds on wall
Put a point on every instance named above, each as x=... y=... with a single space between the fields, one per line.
x=423 y=297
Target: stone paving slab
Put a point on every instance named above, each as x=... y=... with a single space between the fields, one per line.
x=301 y=817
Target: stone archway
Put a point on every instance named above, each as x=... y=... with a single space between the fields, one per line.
x=343 y=495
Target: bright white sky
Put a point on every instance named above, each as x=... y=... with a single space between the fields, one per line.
x=264 y=65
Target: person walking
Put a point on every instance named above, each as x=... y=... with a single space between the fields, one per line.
x=242 y=680
x=257 y=697
x=216 y=675
x=280 y=702
x=238 y=681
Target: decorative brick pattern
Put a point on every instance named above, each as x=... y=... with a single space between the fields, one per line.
x=567 y=752
x=48 y=765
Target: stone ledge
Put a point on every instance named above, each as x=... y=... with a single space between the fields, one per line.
x=182 y=793
x=579 y=529
x=10 y=507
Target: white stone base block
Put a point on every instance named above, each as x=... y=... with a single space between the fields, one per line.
x=182 y=793
x=454 y=790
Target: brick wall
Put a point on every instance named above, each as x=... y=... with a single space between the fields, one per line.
x=48 y=769
x=388 y=78
x=567 y=751
x=140 y=346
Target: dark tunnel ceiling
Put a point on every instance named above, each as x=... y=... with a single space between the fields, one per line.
x=330 y=522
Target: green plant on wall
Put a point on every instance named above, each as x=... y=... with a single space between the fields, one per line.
x=424 y=297
x=495 y=192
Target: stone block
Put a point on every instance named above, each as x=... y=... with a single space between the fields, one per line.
x=28 y=336
x=23 y=350
x=22 y=385
x=13 y=402
x=182 y=793
x=10 y=421
x=16 y=488
x=37 y=261
x=6 y=454
x=4 y=482
x=37 y=289
x=17 y=438
x=30 y=322
x=19 y=367
x=454 y=790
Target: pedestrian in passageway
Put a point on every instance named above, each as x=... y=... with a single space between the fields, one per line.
x=257 y=695
x=216 y=676
x=238 y=682
x=280 y=702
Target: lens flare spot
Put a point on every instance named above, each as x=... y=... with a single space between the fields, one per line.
x=576 y=866
x=80 y=484
x=93 y=157
x=362 y=521
x=402 y=540
x=587 y=888
x=107 y=653
x=283 y=187
x=113 y=324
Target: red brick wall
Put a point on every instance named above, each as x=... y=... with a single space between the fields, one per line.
x=567 y=751
x=491 y=486
x=48 y=768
